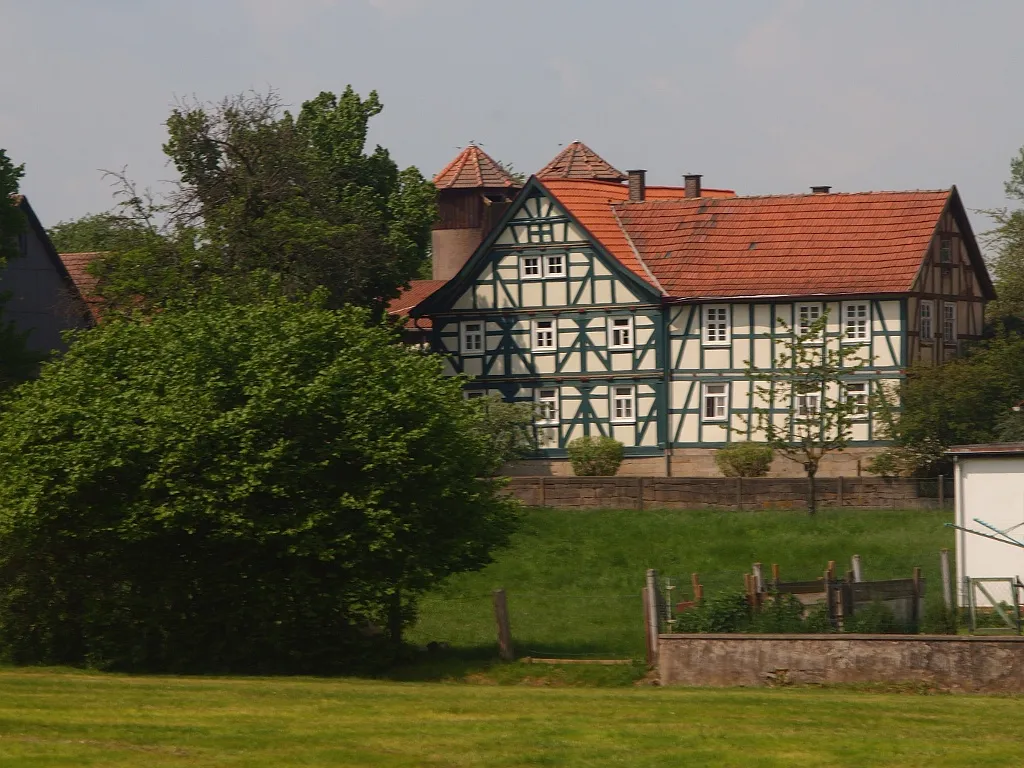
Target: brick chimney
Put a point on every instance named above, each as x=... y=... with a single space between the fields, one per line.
x=822 y=190
x=637 y=185
x=692 y=184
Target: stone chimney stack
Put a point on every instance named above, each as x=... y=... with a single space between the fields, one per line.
x=822 y=190
x=637 y=185
x=692 y=184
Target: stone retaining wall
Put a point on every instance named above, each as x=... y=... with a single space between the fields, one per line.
x=983 y=664
x=724 y=492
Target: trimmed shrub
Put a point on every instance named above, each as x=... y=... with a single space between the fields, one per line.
x=595 y=456
x=873 y=619
x=744 y=460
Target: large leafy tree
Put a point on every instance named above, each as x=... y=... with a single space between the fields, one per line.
x=236 y=487
x=263 y=190
x=94 y=232
x=808 y=381
x=12 y=221
x=1007 y=239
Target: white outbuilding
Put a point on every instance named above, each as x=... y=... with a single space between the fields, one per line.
x=989 y=520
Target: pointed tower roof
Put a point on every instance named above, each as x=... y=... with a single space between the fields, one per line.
x=473 y=169
x=578 y=161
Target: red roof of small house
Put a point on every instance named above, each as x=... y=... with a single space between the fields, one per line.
x=870 y=242
x=578 y=161
x=473 y=169
x=417 y=291
x=76 y=264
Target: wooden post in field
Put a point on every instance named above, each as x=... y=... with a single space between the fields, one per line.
x=830 y=602
x=857 y=567
x=651 y=615
x=915 y=606
x=505 y=650
x=698 y=588
x=758 y=577
x=947 y=582
x=775 y=575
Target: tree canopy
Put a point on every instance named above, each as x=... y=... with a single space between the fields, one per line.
x=1008 y=241
x=17 y=363
x=12 y=221
x=263 y=190
x=236 y=487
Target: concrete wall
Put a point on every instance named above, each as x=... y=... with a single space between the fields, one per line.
x=984 y=664
x=719 y=492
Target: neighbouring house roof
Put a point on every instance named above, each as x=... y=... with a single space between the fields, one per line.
x=76 y=265
x=417 y=291
x=578 y=161
x=871 y=242
x=473 y=169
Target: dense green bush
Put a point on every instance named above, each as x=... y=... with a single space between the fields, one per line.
x=873 y=619
x=730 y=612
x=937 y=620
x=254 y=488
x=595 y=456
x=744 y=460
x=725 y=612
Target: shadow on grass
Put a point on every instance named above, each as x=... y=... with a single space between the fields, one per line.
x=480 y=664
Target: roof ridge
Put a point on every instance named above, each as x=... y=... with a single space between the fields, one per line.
x=483 y=166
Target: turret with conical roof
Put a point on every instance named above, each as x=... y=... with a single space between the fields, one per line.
x=578 y=161
x=473 y=191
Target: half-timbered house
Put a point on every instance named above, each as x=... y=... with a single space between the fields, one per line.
x=631 y=310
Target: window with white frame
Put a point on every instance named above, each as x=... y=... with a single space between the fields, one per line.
x=949 y=322
x=927 y=330
x=547 y=407
x=856 y=322
x=529 y=267
x=623 y=405
x=472 y=338
x=544 y=335
x=620 y=332
x=806 y=316
x=808 y=404
x=716 y=402
x=716 y=324
x=554 y=265
x=857 y=398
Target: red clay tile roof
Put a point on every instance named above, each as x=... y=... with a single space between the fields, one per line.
x=578 y=161
x=75 y=264
x=593 y=204
x=417 y=291
x=871 y=242
x=473 y=169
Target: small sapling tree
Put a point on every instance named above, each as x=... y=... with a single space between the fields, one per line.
x=806 y=410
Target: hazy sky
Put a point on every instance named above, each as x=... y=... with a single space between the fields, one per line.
x=763 y=96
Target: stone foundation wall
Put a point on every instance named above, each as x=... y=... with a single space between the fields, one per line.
x=982 y=664
x=724 y=492
x=700 y=462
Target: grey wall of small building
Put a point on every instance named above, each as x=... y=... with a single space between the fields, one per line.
x=41 y=300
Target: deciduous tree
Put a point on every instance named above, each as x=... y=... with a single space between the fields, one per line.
x=236 y=487
x=805 y=412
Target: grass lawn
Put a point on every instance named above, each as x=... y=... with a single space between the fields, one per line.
x=574 y=577
x=60 y=718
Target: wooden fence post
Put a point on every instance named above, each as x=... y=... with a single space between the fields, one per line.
x=915 y=613
x=775 y=575
x=698 y=588
x=947 y=583
x=505 y=650
x=858 y=572
x=758 y=577
x=651 y=615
